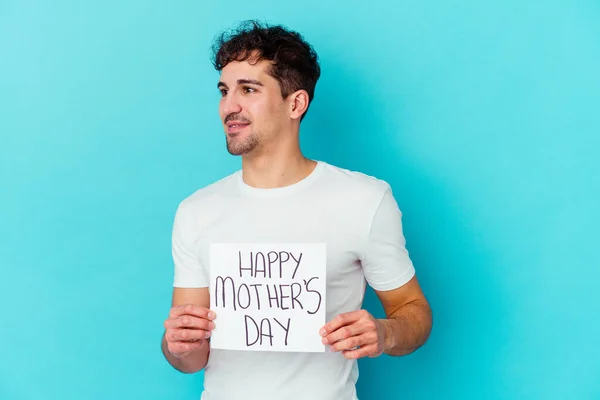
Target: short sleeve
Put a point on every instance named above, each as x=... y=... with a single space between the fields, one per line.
x=189 y=271
x=385 y=261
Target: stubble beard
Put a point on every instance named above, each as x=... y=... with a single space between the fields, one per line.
x=238 y=147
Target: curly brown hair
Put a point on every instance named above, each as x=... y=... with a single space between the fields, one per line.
x=294 y=62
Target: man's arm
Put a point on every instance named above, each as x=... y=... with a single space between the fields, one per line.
x=408 y=324
x=185 y=342
x=390 y=272
x=409 y=319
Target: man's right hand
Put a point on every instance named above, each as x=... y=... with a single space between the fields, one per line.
x=188 y=328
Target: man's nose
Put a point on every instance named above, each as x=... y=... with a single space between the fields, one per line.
x=230 y=104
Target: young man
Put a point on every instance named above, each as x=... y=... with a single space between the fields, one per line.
x=267 y=82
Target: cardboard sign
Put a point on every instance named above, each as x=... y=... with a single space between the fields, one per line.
x=268 y=297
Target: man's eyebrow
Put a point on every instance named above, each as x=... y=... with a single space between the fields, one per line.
x=241 y=82
x=250 y=82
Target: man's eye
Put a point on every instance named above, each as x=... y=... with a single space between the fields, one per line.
x=223 y=92
x=248 y=90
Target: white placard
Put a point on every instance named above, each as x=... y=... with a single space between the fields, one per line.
x=268 y=296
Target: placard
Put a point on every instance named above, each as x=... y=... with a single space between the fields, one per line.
x=268 y=297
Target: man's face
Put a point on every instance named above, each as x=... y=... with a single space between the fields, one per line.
x=252 y=109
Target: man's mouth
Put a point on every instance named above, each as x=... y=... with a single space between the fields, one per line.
x=236 y=127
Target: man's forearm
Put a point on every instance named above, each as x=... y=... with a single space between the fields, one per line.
x=407 y=329
x=191 y=363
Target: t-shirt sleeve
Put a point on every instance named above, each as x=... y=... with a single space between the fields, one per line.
x=189 y=271
x=385 y=261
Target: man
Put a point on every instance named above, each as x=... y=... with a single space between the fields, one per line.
x=267 y=82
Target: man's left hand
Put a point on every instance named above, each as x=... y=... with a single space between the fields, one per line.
x=356 y=334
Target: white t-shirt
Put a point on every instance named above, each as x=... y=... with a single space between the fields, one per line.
x=358 y=218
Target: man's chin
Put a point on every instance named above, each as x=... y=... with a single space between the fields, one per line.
x=237 y=150
x=238 y=146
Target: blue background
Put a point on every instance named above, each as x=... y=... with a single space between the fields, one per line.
x=483 y=116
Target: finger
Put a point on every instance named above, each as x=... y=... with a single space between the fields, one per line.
x=341 y=320
x=365 y=351
x=191 y=309
x=347 y=331
x=188 y=321
x=178 y=348
x=352 y=342
x=187 y=335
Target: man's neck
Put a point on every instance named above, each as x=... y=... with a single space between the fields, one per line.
x=276 y=170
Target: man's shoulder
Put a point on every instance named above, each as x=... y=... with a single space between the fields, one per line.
x=355 y=181
x=209 y=193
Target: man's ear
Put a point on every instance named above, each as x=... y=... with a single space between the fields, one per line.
x=298 y=103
